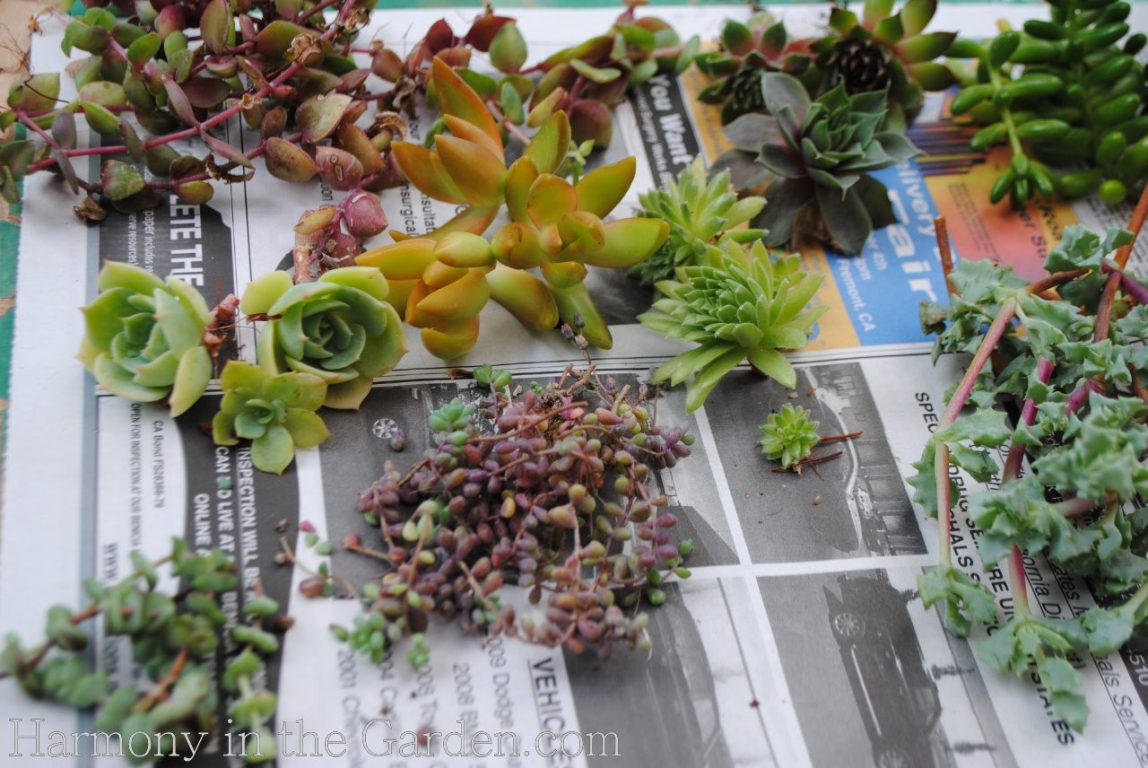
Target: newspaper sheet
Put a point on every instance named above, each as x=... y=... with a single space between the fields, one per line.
x=798 y=639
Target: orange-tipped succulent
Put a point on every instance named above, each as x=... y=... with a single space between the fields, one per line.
x=535 y=264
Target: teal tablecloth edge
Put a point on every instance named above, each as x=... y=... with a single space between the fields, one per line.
x=9 y=252
x=78 y=6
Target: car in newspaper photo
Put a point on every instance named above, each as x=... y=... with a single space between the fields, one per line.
x=895 y=695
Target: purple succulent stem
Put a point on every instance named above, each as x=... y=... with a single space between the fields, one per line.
x=31 y=125
x=1017 y=581
x=992 y=337
x=1080 y=395
x=511 y=128
x=944 y=500
x=1011 y=471
x=1127 y=283
x=1028 y=416
x=317 y=8
x=957 y=402
x=1075 y=507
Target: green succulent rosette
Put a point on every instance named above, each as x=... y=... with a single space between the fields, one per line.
x=699 y=213
x=144 y=337
x=788 y=435
x=747 y=50
x=741 y=305
x=275 y=412
x=882 y=50
x=339 y=328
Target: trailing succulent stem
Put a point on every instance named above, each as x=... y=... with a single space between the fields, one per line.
x=547 y=487
x=1083 y=426
x=176 y=640
x=1065 y=95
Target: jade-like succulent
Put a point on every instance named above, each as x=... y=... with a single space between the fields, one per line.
x=749 y=49
x=699 y=213
x=788 y=435
x=819 y=155
x=741 y=305
x=586 y=79
x=339 y=328
x=276 y=413
x=144 y=337
x=884 y=50
x=444 y=278
x=583 y=80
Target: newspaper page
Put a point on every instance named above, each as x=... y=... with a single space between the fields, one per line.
x=797 y=641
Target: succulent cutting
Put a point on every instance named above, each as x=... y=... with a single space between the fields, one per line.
x=584 y=80
x=339 y=329
x=788 y=435
x=740 y=305
x=144 y=338
x=1065 y=96
x=700 y=213
x=815 y=157
x=746 y=51
x=886 y=51
x=555 y=226
x=276 y=413
x=1072 y=364
x=177 y=638
x=549 y=487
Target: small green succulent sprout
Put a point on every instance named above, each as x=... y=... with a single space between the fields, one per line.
x=741 y=305
x=275 y=412
x=788 y=435
x=144 y=337
x=339 y=328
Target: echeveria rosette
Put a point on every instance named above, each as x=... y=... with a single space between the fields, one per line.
x=339 y=328
x=144 y=339
x=276 y=413
x=760 y=44
x=788 y=435
x=739 y=306
x=817 y=157
x=882 y=49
